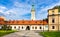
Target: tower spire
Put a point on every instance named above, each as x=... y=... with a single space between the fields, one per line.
x=33 y=13
x=33 y=7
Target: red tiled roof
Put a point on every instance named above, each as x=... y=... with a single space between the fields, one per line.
x=23 y=22
x=1 y=19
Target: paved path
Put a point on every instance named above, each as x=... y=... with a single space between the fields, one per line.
x=23 y=34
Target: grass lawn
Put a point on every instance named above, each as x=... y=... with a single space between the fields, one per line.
x=50 y=34
x=5 y=32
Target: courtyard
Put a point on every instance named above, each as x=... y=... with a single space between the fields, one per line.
x=25 y=33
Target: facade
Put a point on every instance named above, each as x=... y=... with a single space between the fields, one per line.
x=25 y=24
x=54 y=18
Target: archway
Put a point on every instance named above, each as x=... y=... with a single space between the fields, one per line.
x=27 y=28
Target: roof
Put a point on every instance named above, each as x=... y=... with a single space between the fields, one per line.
x=56 y=7
x=24 y=22
x=1 y=19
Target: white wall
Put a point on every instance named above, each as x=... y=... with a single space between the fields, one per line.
x=34 y=27
x=45 y=27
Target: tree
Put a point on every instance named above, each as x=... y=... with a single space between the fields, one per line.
x=46 y=19
x=6 y=26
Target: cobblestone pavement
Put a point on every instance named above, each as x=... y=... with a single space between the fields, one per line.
x=24 y=34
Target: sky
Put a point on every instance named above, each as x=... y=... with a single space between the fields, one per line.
x=21 y=9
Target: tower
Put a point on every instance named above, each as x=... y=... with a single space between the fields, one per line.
x=33 y=13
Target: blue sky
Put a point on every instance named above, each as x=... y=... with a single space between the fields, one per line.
x=21 y=9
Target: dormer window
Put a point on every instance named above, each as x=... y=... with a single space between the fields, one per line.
x=13 y=22
x=36 y=22
x=17 y=21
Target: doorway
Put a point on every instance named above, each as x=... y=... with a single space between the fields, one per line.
x=27 y=28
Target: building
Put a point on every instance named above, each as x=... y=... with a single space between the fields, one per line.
x=26 y=24
x=54 y=18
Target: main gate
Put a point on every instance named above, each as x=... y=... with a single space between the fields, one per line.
x=28 y=28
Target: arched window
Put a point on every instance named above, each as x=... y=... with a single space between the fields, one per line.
x=18 y=27
x=53 y=27
x=40 y=27
x=35 y=27
x=53 y=20
x=22 y=27
x=32 y=27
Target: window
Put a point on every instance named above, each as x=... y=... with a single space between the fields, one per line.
x=22 y=27
x=53 y=21
x=40 y=28
x=35 y=27
x=52 y=11
x=13 y=22
x=18 y=27
x=32 y=27
x=53 y=27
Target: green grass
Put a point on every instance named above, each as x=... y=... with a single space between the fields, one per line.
x=5 y=32
x=50 y=34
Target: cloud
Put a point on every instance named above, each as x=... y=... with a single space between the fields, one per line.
x=17 y=12
x=2 y=8
x=21 y=9
x=42 y=13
